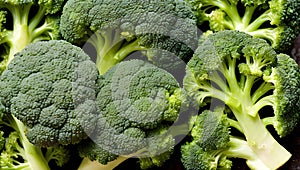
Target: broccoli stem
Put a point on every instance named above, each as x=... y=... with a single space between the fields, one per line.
x=239 y=99
x=24 y=31
x=231 y=10
x=33 y=154
x=259 y=139
x=24 y=166
x=19 y=37
x=87 y=164
x=240 y=148
x=111 y=48
x=269 y=34
x=263 y=18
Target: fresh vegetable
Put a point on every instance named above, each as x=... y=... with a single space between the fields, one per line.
x=137 y=102
x=16 y=152
x=165 y=31
x=273 y=20
x=89 y=84
x=23 y=22
x=259 y=88
x=50 y=86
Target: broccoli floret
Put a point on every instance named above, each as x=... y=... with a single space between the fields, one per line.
x=23 y=22
x=50 y=86
x=137 y=102
x=259 y=87
x=164 y=141
x=165 y=31
x=273 y=20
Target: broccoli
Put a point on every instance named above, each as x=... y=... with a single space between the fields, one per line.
x=23 y=22
x=16 y=152
x=50 y=86
x=273 y=20
x=138 y=103
x=163 y=31
x=259 y=88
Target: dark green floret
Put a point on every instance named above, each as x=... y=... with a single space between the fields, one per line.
x=51 y=87
x=138 y=103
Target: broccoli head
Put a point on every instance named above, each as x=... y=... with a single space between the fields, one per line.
x=23 y=22
x=259 y=87
x=273 y=20
x=51 y=86
x=138 y=103
x=116 y=29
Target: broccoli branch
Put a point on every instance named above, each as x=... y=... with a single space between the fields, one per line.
x=111 y=48
x=25 y=29
x=235 y=21
x=33 y=156
x=240 y=101
x=240 y=148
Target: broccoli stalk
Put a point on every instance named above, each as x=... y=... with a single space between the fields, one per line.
x=239 y=99
x=241 y=103
x=32 y=155
x=26 y=28
x=258 y=86
x=111 y=51
x=239 y=148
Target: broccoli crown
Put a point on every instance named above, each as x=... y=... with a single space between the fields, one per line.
x=161 y=140
x=133 y=89
x=119 y=28
x=276 y=21
x=26 y=21
x=51 y=87
x=210 y=130
x=258 y=86
x=135 y=99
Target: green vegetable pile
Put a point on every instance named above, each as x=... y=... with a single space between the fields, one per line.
x=160 y=84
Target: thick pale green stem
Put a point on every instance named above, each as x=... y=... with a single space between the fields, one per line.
x=240 y=148
x=269 y=152
x=20 y=37
x=115 y=54
x=87 y=164
x=262 y=143
x=258 y=22
x=32 y=153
